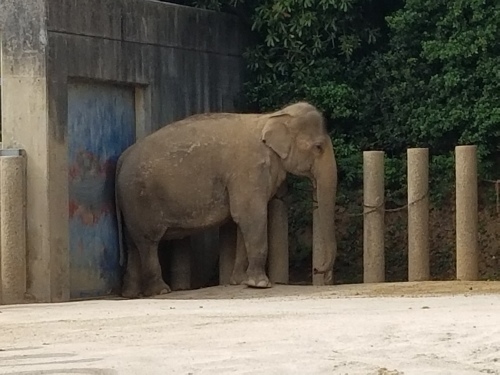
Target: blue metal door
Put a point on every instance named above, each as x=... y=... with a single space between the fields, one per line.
x=101 y=125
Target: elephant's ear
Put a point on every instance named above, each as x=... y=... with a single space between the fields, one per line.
x=276 y=135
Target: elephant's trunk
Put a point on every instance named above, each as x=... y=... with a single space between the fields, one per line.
x=325 y=174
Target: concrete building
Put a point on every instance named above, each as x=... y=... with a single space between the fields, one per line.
x=81 y=81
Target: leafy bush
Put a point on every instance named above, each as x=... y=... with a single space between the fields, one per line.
x=388 y=74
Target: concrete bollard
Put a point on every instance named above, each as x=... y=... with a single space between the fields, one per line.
x=418 y=214
x=374 y=213
x=13 y=226
x=1 y=147
x=1 y=282
x=466 y=213
x=227 y=245
x=181 y=264
x=278 y=238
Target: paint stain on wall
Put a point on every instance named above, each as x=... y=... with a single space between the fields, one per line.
x=101 y=125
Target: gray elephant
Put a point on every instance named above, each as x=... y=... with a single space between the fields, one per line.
x=201 y=171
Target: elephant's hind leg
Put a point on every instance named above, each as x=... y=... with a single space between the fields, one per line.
x=153 y=283
x=132 y=278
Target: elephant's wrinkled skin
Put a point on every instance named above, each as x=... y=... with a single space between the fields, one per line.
x=199 y=172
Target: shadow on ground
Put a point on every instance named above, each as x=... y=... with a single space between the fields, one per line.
x=402 y=289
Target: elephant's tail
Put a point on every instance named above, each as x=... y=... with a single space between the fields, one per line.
x=119 y=218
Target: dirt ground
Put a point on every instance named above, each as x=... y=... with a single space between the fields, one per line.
x=406 y=289
x=379 y=329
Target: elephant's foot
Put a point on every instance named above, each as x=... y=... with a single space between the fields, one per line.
x=131 y=293
x=131 y=289
x=258 y=281
x=238 y=278
x=156 y=288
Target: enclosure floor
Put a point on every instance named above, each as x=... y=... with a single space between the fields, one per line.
x=407 y=289
x=384 y=329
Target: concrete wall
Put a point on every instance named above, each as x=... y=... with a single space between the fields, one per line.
x=179 y=60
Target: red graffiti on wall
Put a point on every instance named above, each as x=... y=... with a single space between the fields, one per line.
x=91 y=188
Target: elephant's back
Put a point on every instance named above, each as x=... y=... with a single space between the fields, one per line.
x=182 y=171
x=205 y=136
x=179 y=184
x=173 y=164
x=206 y=127
x=195 y=150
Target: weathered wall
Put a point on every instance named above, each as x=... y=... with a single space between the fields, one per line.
x=25 y=124
x=178 y=60
x=188 y=59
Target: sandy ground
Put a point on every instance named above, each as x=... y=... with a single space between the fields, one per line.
x=381 y=329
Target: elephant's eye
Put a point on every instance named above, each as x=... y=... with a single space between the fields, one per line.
x=318 y=147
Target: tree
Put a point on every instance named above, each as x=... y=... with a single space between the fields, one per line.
x=388 y=74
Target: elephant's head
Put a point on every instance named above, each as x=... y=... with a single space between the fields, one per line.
x=297 y=134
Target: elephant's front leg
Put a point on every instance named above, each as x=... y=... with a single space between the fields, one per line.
x=252 y=221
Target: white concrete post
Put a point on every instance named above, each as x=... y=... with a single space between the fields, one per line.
x=418 y=214
x=466 y=213
x=374 y=209
x=13 y=226
x=1 y=294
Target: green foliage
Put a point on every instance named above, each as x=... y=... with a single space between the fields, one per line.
x=439 y=80
x=388 y=75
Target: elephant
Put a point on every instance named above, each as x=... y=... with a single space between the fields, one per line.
x=201 y=171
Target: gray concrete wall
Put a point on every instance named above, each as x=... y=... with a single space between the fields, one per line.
x=189 y=59
x=25 y=123
x=180 y=60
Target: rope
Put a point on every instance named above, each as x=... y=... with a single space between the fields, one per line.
x=398 y=209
